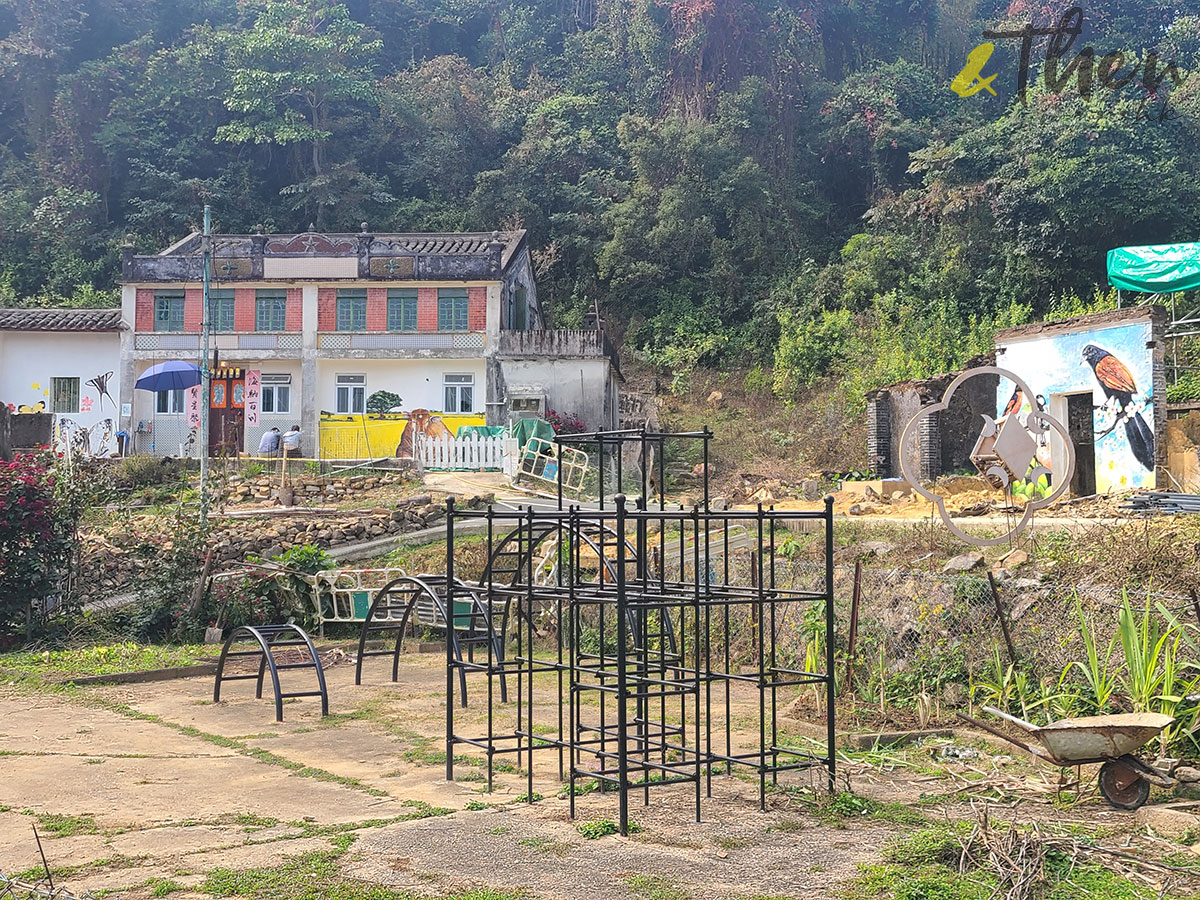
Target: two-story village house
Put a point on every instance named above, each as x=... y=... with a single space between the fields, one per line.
x=448 y=323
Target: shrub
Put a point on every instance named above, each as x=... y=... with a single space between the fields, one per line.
x=39 y=508
x=137 y=472
x=564 y=423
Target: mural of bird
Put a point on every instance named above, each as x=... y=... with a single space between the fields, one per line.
x=1120 y=387
x=1014 y=402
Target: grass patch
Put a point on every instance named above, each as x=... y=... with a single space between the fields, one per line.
x=164 y=887
x=251 y=822
x=546 y=845
x=655 y=887
x=934 y=882
x=937 y=844
x=925 y=866
x=57 y=825
x=106 y=659
x=597 y=829
x=838 y=810
x=315 y=876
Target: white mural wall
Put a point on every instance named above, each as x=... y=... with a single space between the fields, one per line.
x=83 y=366
x=1115 y=364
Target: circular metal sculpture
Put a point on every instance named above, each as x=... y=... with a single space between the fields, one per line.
x=1004 y=453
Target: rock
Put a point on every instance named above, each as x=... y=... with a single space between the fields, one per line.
x=976 y=509
x=1187 y=774
x=718 y=504
x=964 y=562
x=811 y=490
x=715 y=398
x=876 y=548
x=869 y=493
x=1170 y=820
x=855 y=510
x=954 y=694
x=1014 y=559
x=1025 y=584
x=1023 y=606
x=1165 y=764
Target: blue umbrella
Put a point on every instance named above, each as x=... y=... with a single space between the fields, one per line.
x=173 y=375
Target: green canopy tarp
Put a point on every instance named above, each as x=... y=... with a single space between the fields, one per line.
x=484 y=431
x=526 y=428
x=1157 y=269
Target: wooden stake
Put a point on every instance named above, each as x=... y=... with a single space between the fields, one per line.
x=1008 y=641
x=854 y=599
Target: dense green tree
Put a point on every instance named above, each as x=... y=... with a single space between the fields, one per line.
x=725 y=180
x=301 y=78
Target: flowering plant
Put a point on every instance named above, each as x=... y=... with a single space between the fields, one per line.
x=564 y=423
x=38 y=514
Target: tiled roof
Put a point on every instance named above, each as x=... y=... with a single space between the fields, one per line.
x=52 y=319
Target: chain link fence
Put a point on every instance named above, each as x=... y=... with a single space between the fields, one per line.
x=922 y=638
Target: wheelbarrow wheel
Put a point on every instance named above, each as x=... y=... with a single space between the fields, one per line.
x=1122 y=785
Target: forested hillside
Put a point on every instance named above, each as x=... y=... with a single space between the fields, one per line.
x=781 y=183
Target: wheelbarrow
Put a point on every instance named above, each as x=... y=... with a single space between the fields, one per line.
x=1124 y=779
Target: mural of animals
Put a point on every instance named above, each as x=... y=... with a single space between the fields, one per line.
x=1114 y=364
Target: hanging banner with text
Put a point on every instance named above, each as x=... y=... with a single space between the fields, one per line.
x=253 y=395
x=191 y=402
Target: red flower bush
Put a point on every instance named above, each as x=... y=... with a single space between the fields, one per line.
x=564 y=423
x=37 y=539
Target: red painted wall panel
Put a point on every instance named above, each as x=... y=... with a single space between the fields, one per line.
x=295 y=309
x=243 y=309
x=143 y=310
x=326 y=309
x=193 y=315
x=376 y=309
x=427 y=313
x=477 y=308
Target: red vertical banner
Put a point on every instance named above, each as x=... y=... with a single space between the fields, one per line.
x=252 y=395
x=192 y=403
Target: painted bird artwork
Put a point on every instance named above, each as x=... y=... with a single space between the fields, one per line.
x=1118 y=384
x=1014 y=402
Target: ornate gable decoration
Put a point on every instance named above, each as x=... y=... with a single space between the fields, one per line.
x=310 y=243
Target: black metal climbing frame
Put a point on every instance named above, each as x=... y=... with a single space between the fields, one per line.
x=269 y=639
x=638 y=664
x=419 y=601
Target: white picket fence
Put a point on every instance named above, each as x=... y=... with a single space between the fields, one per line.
x=471 y=452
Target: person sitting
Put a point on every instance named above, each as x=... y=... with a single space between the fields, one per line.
x=291 y=442
x=269 y=445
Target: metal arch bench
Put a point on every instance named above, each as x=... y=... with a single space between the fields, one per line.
x=269 y=638
x=421 y=599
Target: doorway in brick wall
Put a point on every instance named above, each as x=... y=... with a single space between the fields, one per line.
x=226 y=412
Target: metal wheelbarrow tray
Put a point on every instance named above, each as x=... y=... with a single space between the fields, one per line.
x=1124 y=779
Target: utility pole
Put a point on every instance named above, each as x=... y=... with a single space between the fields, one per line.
x=205 y=374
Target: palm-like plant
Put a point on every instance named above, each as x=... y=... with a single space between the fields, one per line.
x=1098 y=670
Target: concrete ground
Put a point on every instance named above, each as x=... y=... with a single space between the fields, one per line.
x=131 y=785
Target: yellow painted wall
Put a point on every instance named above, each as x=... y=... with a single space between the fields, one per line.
x=372 y=436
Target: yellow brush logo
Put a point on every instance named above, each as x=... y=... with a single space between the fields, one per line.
x=969 y=81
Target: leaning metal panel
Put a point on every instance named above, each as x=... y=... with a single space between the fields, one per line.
x=622 y=628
